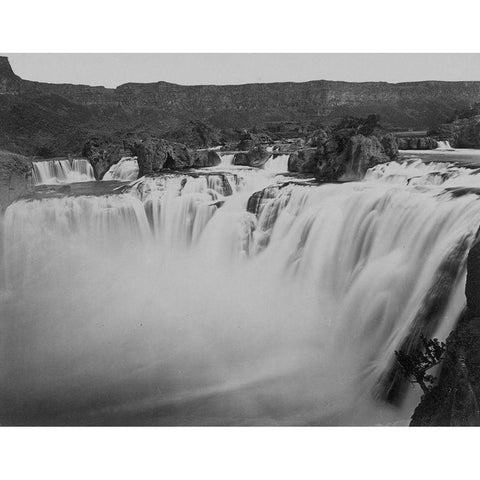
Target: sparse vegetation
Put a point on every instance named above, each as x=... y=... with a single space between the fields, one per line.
x=415 y=365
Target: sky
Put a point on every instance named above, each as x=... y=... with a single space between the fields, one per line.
x=111 y=70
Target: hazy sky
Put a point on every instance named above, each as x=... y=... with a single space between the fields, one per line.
x=112 y=70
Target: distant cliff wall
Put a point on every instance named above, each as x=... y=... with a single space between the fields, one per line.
x=35 y=112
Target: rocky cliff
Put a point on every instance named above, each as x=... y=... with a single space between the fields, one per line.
x=15 y=172
x=454 y=400
x=55 y=118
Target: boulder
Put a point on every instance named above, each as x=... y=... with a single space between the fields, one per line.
x=350 y=162
x=155 y=154
x=205 y=158
x=256 y=157
x=249 y=140
x=303 y=161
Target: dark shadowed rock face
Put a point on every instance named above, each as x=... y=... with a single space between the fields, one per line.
x=416 y=143
x=454 y=400
x=390 y=146
x=256 y=157
x=250 y=140
x=303 y=161
x=9 y=82
x=205 y=158
x=102 y=154
x=15 y=177
x=348 y=161
x=155 y=154
x=196 y=134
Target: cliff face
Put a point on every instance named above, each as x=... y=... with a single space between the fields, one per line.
x=36 y=115
x=14 y=177
x=454 y=401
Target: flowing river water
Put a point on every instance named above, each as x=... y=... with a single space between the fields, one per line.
x=228 y=295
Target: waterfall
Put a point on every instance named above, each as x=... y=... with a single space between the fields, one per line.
x=125 y=170
x=52 y=172
x=444 y=145
x=277 y=163
x=226 y=159
x=231 y=298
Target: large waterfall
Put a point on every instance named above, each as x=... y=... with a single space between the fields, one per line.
x=62 y=171
x=239 y=297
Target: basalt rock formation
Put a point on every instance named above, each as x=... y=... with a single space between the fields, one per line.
x=350 y=161
x=39 y=117
x=303 y=161
x=416 y=143
x=155 y=154
x=251 y=140
x=102 y=154
x=15 y=177
x=205 y=158
x=454 y=401
x=256 y=157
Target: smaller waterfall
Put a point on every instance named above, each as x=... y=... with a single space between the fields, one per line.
x=52 y=172
x=444 y=145
x=277 y=164
x=124 y=171
x=226 y=159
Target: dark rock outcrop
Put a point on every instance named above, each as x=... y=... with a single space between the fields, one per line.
x=256 y=157
x=303 y=161
x=102 y=154
x=390 y=146
x=250 y=140
x=338 y=160
x=15 y=177
x=205 y=158
x=416 y=143
x=156 y=154
x=454 y=401
x=196 y=134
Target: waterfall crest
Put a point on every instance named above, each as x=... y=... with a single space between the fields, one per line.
x=125 y=170
x=51 y=172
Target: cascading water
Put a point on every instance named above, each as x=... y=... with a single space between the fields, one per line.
x=444 y=145
x=226 y=159
x=125 y=170
x=179 y=301
x=51 y=172
x=277 y=163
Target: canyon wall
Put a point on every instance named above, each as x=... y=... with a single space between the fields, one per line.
x=40 y=116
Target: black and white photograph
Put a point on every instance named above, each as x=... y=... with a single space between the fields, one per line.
x=239 y=239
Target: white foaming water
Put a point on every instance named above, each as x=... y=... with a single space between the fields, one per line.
x=226 y=159
x=277 y=164
x=125 y=170
x=51 y=172
x=444 y=145
x=415 y=172
x=163 y=306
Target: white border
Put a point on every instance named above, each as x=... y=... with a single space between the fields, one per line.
x=245 y=26
x=241 y=26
